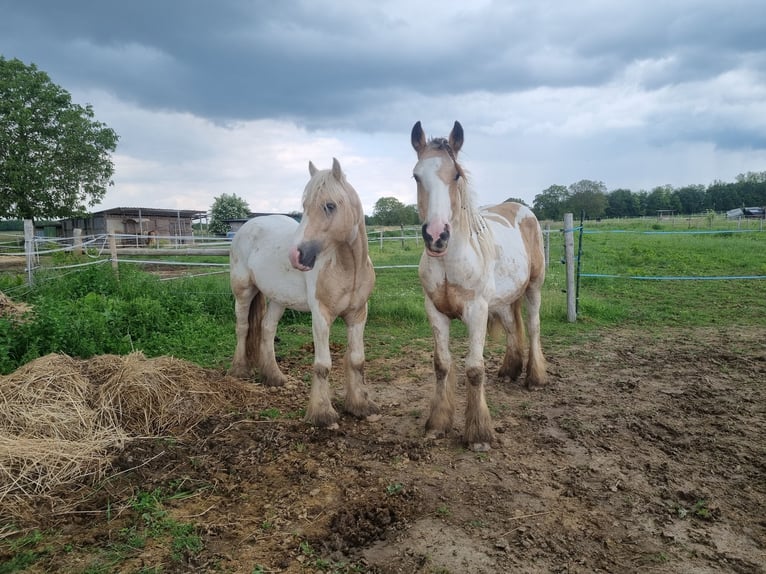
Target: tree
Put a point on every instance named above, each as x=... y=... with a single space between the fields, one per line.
x=391 y=211
x=589 y=197
x=54 y=157
x=691 y=198
x=226 y=207
x=550 y=203
x=622 y=203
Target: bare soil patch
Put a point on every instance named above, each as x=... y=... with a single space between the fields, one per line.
x=645 y=453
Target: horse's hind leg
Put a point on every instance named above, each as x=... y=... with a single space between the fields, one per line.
x=320 y=411
x=357 y=403
x=245 y=309
x=513 y=362
x=536 y=374
x=270 y=374
x=442 y=411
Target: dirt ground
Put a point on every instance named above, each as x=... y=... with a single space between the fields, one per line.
x=645 y=453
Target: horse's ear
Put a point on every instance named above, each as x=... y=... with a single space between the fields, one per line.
x=456 y=137
x=418 y=137
x=337 y=172
x=312 y=168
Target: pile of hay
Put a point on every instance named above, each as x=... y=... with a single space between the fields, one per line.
x=13 y=310
x=62 y=420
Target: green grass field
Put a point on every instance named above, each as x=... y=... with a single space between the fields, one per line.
x=90 y=311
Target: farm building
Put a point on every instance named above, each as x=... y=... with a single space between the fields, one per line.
x=747 y=212
x=134 y=221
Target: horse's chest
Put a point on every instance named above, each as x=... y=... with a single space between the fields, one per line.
x=450 y=298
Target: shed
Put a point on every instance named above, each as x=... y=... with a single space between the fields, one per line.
x=134 y=221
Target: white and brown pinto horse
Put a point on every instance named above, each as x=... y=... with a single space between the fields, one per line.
x=477 y=266
x=321 y=265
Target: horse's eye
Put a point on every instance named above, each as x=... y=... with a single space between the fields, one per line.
x=329 y=208
x=457 y=176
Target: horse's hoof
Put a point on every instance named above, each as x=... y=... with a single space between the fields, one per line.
x=239 y=373
x=364 y=411
x=274 y=381
x=373 y=418
x=324 y=421
x=480 y=447
x=433 y=434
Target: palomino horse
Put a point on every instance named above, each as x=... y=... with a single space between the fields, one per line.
x=321 y=265
x=476 y=267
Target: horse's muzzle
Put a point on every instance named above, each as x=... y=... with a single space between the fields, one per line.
x=436 y=247
x=304 y=256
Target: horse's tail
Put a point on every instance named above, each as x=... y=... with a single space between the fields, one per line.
x=254 y=318
x=496 y=330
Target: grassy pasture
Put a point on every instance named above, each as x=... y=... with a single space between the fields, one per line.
x=89 y=311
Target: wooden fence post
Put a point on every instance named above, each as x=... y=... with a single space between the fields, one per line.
x=570 y=263
x=29 y=249
x=77 y=241
x=113 y=250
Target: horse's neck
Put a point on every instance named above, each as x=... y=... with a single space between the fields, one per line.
x=361 y=247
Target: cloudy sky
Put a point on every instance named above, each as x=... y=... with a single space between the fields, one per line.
x=236 y=96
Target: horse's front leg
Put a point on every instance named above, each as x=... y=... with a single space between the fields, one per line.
x=357 y=403
x=442 y=412
x=478 y=423
x=320 y=411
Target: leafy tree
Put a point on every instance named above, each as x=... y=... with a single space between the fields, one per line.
x=622 y=203
x=226 y=207
x=391 y=211
x=54 y=157
x=722 y=196
x=588 y=196
x=550 y=203
x=691 y=198
x=661 y=198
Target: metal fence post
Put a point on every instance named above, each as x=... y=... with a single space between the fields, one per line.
x=570 y=263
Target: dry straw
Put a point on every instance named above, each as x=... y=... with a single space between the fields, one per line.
x=62 y=420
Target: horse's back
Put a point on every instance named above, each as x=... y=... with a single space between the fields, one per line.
x=518 y=238
x=260 y=257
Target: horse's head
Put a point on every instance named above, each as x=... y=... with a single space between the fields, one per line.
x=438 y=176
x=332 y=214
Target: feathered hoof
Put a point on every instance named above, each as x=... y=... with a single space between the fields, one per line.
x=434 y=434
x=368 y=410
x=326 y=420
x=279 y=381
x=240 y=373
x=534 y=383
x=509 y=374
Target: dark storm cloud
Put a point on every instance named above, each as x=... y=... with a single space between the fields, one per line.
x=315 y=62
x=549 y=91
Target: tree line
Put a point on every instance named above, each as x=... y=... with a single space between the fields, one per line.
x=593 y=199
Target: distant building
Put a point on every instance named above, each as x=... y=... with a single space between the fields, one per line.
x=746 y=212
x=134 y=221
